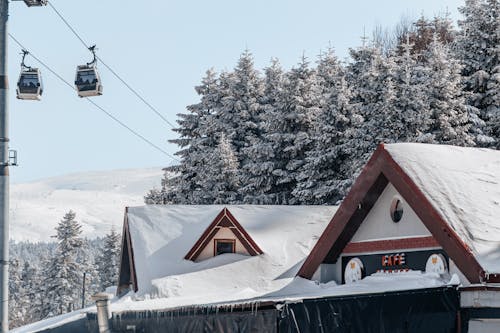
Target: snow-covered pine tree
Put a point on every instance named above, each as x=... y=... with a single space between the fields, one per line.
x=477 y=47
x=31 y=294
x=63 y=275
x=257 y=175
x=85 y=257
x=414 y=114
x=220 y=181
x=451 y=119
x=289 y=132
x=238 y=118
x=108 y=261
x=15 y=309
x=371 y=75
x=322 y=180
x=195 y=141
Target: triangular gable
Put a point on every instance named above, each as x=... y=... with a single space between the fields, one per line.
x=223 y=220
x=378 y=172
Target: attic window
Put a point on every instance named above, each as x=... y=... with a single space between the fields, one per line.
x=224 y=246
x=396 y=210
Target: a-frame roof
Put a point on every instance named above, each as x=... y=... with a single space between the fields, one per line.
x=223 y=219
x=156 y=239
x=381 y=169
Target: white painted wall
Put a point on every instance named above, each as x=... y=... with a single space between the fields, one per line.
x=223 y=233
x=484 y=326
x=480 y=299
x=379 y=225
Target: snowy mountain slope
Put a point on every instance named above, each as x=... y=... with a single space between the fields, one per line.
x=98 y=198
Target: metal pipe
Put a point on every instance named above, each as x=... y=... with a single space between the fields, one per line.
x=4 y=170
x=103 y=313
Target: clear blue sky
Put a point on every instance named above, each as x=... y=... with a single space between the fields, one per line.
x=162 y=48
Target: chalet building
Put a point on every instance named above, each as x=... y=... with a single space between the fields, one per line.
x=162 y=244
x=419 y=207
x=414 y=247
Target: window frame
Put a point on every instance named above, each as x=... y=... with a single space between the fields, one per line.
x=224 y=240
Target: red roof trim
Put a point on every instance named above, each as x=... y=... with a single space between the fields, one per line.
x=364 y=193
x=223 y=219
x=391 y=244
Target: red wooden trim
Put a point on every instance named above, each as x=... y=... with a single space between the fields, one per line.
x=243 y=241
x=391 y=245
x=439 y=228
x=217 y=240
x=242 y=230
x=491 y=278
x=328 y=240
x=223 y=219
x=205 y=242
x=205 y=234
x=364 y=193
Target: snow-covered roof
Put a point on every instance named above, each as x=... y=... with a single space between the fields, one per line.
x=162 y=235
x=463 y=185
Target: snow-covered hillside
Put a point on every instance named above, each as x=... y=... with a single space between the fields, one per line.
x=98 y=198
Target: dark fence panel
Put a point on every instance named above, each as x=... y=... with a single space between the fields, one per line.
x=430 y=310
x=77 y=326
x=207 y=319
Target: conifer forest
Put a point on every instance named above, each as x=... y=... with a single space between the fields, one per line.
x=300 y=136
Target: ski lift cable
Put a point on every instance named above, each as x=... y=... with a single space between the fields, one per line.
x=94 y=103
x=112 y=70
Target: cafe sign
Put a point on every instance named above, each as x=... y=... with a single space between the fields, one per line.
x=354 y=268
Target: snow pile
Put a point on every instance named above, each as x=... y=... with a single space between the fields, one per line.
x=463 y=185
x=98 y=198
x=293 y=290
x=163 y=235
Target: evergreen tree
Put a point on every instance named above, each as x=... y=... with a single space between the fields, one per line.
x=30 y=295
x=257 y=176
x=451 y=119
x=413 y=118
x=108 y=261
x=289 y=131
x=63 y=273
x=371 y=75
x=195 y=142
x=322 y=179
x=478 y=49
x=221 y=179
x=239 y=115
x=15 y=310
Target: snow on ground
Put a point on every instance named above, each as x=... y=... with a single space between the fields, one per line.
x=98 y=198
x=463 y=185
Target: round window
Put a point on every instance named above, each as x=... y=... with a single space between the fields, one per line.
x=396 y=210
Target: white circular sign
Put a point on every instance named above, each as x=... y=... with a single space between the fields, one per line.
x=436 y=264
x=353 y=271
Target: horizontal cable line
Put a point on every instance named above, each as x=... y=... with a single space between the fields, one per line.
x=94 y=103
x=151 y=107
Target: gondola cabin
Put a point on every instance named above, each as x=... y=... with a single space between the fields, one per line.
x=87 y=81
x=29 y=85
x=35 y=3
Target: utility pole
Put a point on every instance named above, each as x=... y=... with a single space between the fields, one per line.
x=4 y=170
x=83 y=289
